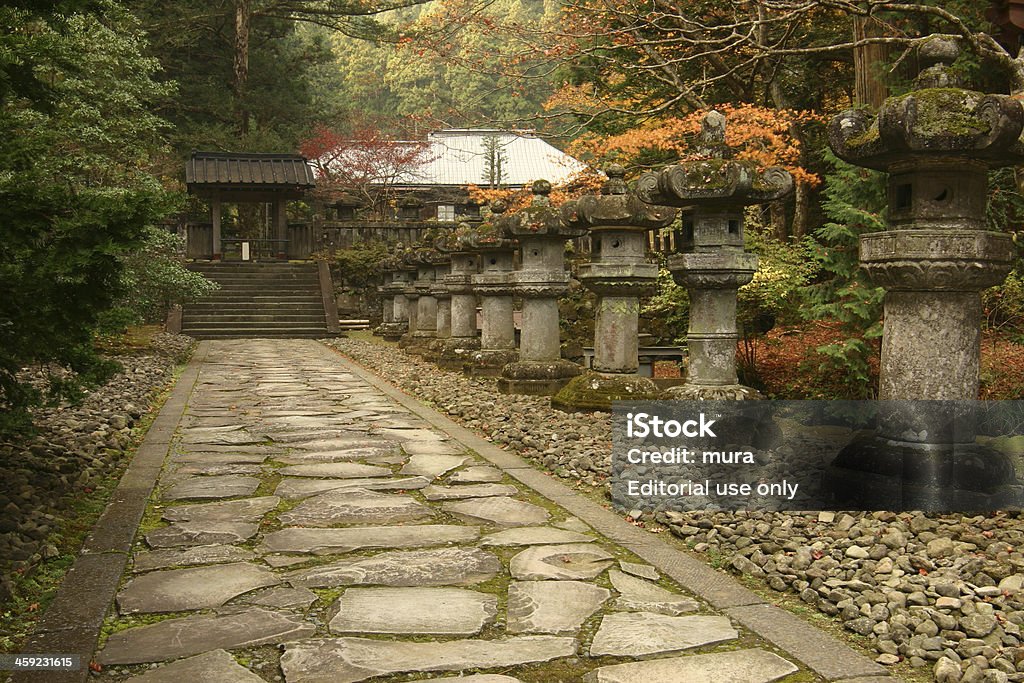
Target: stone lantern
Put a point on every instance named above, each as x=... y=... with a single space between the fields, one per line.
x=394 y=318
x=714 y=264
x=540 y=281
x=937 y=143
x=423 y=286
x=462 y=337
x=411 y=269
x=619 y=274
x=441 y=262
x=497 y=328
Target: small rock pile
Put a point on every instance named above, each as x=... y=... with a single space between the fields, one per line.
x=945 y=591
x=938 y=591
x=74 y=447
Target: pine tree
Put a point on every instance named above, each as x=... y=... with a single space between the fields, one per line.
x=855 y=199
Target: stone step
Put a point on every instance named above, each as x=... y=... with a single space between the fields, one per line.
x=255 y=278
x=192 y=318
x=246 y=291
x=233 y=333
x=251 y=265
x=253 y=325
x=261 y=306
x=265 y=299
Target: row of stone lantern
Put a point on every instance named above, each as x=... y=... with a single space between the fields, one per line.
x=434 y=310
x=937 y=143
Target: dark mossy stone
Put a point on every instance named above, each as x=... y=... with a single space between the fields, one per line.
x=594 y=392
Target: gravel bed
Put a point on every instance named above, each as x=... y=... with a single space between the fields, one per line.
x=74 y=447
x=944 y=592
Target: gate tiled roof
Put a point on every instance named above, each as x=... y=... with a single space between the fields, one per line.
x=245 y=170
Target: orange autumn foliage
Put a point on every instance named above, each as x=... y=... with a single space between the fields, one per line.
x=756 y=134
x=588 y=182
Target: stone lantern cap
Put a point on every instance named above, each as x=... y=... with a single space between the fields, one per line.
x=419 y=255
x=540 y=219
x=616 y=208
x=716 y=181
x=448 y=242
x=488 y=235
x=937 y=120
x=391 y=262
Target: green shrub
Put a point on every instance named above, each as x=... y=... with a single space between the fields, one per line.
x=855 y=199
x=153 y=278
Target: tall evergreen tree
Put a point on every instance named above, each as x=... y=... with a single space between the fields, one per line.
x=77 y=136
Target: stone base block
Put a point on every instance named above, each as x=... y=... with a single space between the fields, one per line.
x=488 y=362
x=537 y=378
x=431 y=350
x=391 y=331
x=595 y=392
x=711 y=392
x=877 y=473
x=417 y=345
x=455 y=351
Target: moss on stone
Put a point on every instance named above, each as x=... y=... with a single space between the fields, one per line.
x=946 y=112
x=595 y=392
x=868 y=137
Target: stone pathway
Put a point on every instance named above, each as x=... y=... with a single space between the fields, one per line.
x=307 y=528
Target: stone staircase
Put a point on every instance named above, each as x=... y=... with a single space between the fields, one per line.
x=280 y=300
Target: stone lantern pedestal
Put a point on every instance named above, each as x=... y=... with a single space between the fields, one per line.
x=395 y=318
x=441 y=262
x=714 y=264
x=412 y=296
x=619 y=274
x=540 y=281
x=497 y=327
x=426 y=304
x=937 y=143
x=462 y=338
x=387 y=305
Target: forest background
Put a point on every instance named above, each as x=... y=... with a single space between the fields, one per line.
x=101 y=102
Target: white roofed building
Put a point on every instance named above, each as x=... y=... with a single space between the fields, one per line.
x=434 y=187
x=489 y=157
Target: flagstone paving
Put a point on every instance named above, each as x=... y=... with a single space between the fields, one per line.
x=309 y=529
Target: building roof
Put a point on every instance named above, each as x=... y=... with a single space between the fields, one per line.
x=459 y=157
x=244 y=170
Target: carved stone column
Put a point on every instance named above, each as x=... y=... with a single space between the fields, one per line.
x=426 y=303
x=714 y=264
x=400 y=281
x=462 y=338
x=497 y=326
x=395 y=319
x=387 y=303
x=937 y=143
x=540 y=281
x=412 y=296
x=619 y=274
x=441 y=261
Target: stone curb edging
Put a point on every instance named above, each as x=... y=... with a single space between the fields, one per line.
x=826 y=656
x=72 y=622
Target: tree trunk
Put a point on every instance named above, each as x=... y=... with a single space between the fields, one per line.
x=801 y=210
x=869 y=89
x=777 y=213
x=243 y=17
